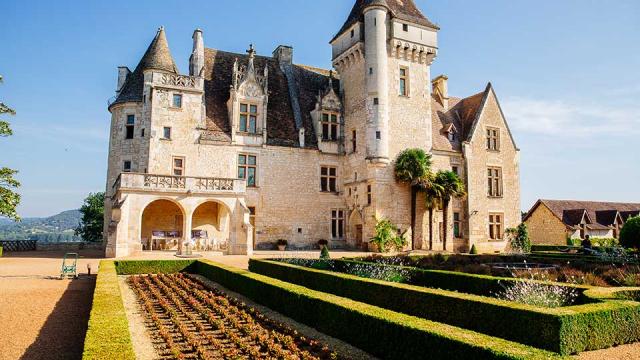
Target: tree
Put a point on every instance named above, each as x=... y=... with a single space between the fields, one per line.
x=433 y=198
x=519 y=239
x=452 y=187
x=630 y=233
x=9 y=199
x=92 y=223
x=413 y=167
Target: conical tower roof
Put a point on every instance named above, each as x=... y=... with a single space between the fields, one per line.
x=157 y=57
x=402 y=9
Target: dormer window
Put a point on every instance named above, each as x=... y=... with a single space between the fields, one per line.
x=329 y=127
x=248 y=118
x=452 y=136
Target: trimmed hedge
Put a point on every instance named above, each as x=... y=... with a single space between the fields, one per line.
x=564 y=330
x=108 y=333
x=476 y=284
x=153 y=267
x=381 y=332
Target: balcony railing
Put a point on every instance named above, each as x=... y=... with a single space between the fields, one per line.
x=169 y=183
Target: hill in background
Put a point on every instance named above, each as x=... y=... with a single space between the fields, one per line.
x=56 y=228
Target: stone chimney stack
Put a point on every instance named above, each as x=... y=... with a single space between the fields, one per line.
x=196 y=62
x=284 y=54
x=123 y=72
x=441 y=91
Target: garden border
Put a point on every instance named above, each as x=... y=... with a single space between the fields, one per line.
x=572 y=329
x=355 y=322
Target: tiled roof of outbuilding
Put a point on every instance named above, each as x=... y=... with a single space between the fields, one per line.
x=601 y=215
x=402 y=9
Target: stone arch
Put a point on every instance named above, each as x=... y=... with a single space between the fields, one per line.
x=211 y=223
x=356 y=229
x=164 y=216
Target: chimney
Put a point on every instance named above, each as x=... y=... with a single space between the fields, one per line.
x=123 y=72
x=440 y=90
x=196 y=61
x=284 y=54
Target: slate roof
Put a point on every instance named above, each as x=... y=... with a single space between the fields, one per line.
x=281 y=125
x=599 y=215
x=402 y=9
x=461 y=113
x=157 y=57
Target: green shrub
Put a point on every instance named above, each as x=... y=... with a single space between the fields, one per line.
x=152 y=266
x=108 y=332
x=474 y=250
x=0 y=251
x=604 y=242
x=565 y=330
x=354 y=322
x=630 y=233
x=387 y=236
x=324 y=253
x=519 y=239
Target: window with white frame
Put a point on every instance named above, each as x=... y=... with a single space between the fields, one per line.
x=494 y=182
x=496 y=226
x=247 y=168
x=248 y=118
x=178 y=166
x=329 y=126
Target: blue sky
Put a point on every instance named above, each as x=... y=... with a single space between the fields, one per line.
x=567 y=74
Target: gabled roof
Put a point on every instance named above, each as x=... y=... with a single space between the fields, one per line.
x=157 y=57
x=462 y=114
x=402 y=9
x=599 y=215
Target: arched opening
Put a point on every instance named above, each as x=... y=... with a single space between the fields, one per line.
x=162 y=224
x=210 y=227
x=356 y=230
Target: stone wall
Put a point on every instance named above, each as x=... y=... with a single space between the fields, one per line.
x=68 y=246
x=545 y=228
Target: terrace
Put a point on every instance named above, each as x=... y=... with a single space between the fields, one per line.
x=179 y=184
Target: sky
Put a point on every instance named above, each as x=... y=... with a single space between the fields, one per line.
x=567 y=74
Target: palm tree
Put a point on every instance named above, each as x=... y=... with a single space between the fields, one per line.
x=413 y=168
x=433 y=198
x=452 y=187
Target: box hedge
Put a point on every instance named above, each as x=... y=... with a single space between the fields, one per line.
x=381 y=332
x=567 y=330
x=108 y=335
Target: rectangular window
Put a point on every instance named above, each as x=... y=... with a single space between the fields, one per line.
x=493 y=139
x=328 y=179
x=376 y=101
x=354 y=141
x=248 y=118
x=166 y=133
x=369 y=195
x=142 y=133
x=455 y=170
x=457 y=225
x=247 y=169
x=404 y=81
x=378 y=135
x=177 y=101
x=130 y=126
x=178 y=166
x=126 y=166
x=496 y=226
x=337 y=224
x=405 y=27
x=329 y=127
x=494 y=178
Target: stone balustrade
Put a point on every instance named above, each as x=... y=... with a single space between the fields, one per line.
x=185 y=184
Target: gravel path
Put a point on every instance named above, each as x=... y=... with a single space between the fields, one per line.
x=142 y=342
x=41 y=316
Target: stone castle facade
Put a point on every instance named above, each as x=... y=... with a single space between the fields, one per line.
x=249 y=149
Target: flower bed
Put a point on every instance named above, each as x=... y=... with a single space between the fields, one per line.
x=604 y=322
x=193 y=321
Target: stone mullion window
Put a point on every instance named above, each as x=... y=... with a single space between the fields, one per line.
x=493 y=139
x=457 y=225
x=496 y=226
x=328 y=179
x=337 y=224
x=494 y=182
x=248 y=168
x=404 y=82
x=178 y=166
x=248 y=118
x=329 y=126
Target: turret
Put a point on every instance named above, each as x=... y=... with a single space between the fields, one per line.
x=196 y=61
x=377 y=81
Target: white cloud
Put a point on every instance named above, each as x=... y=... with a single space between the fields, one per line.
x=562 y=118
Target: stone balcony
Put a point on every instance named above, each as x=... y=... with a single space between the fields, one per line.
x=179 y=184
